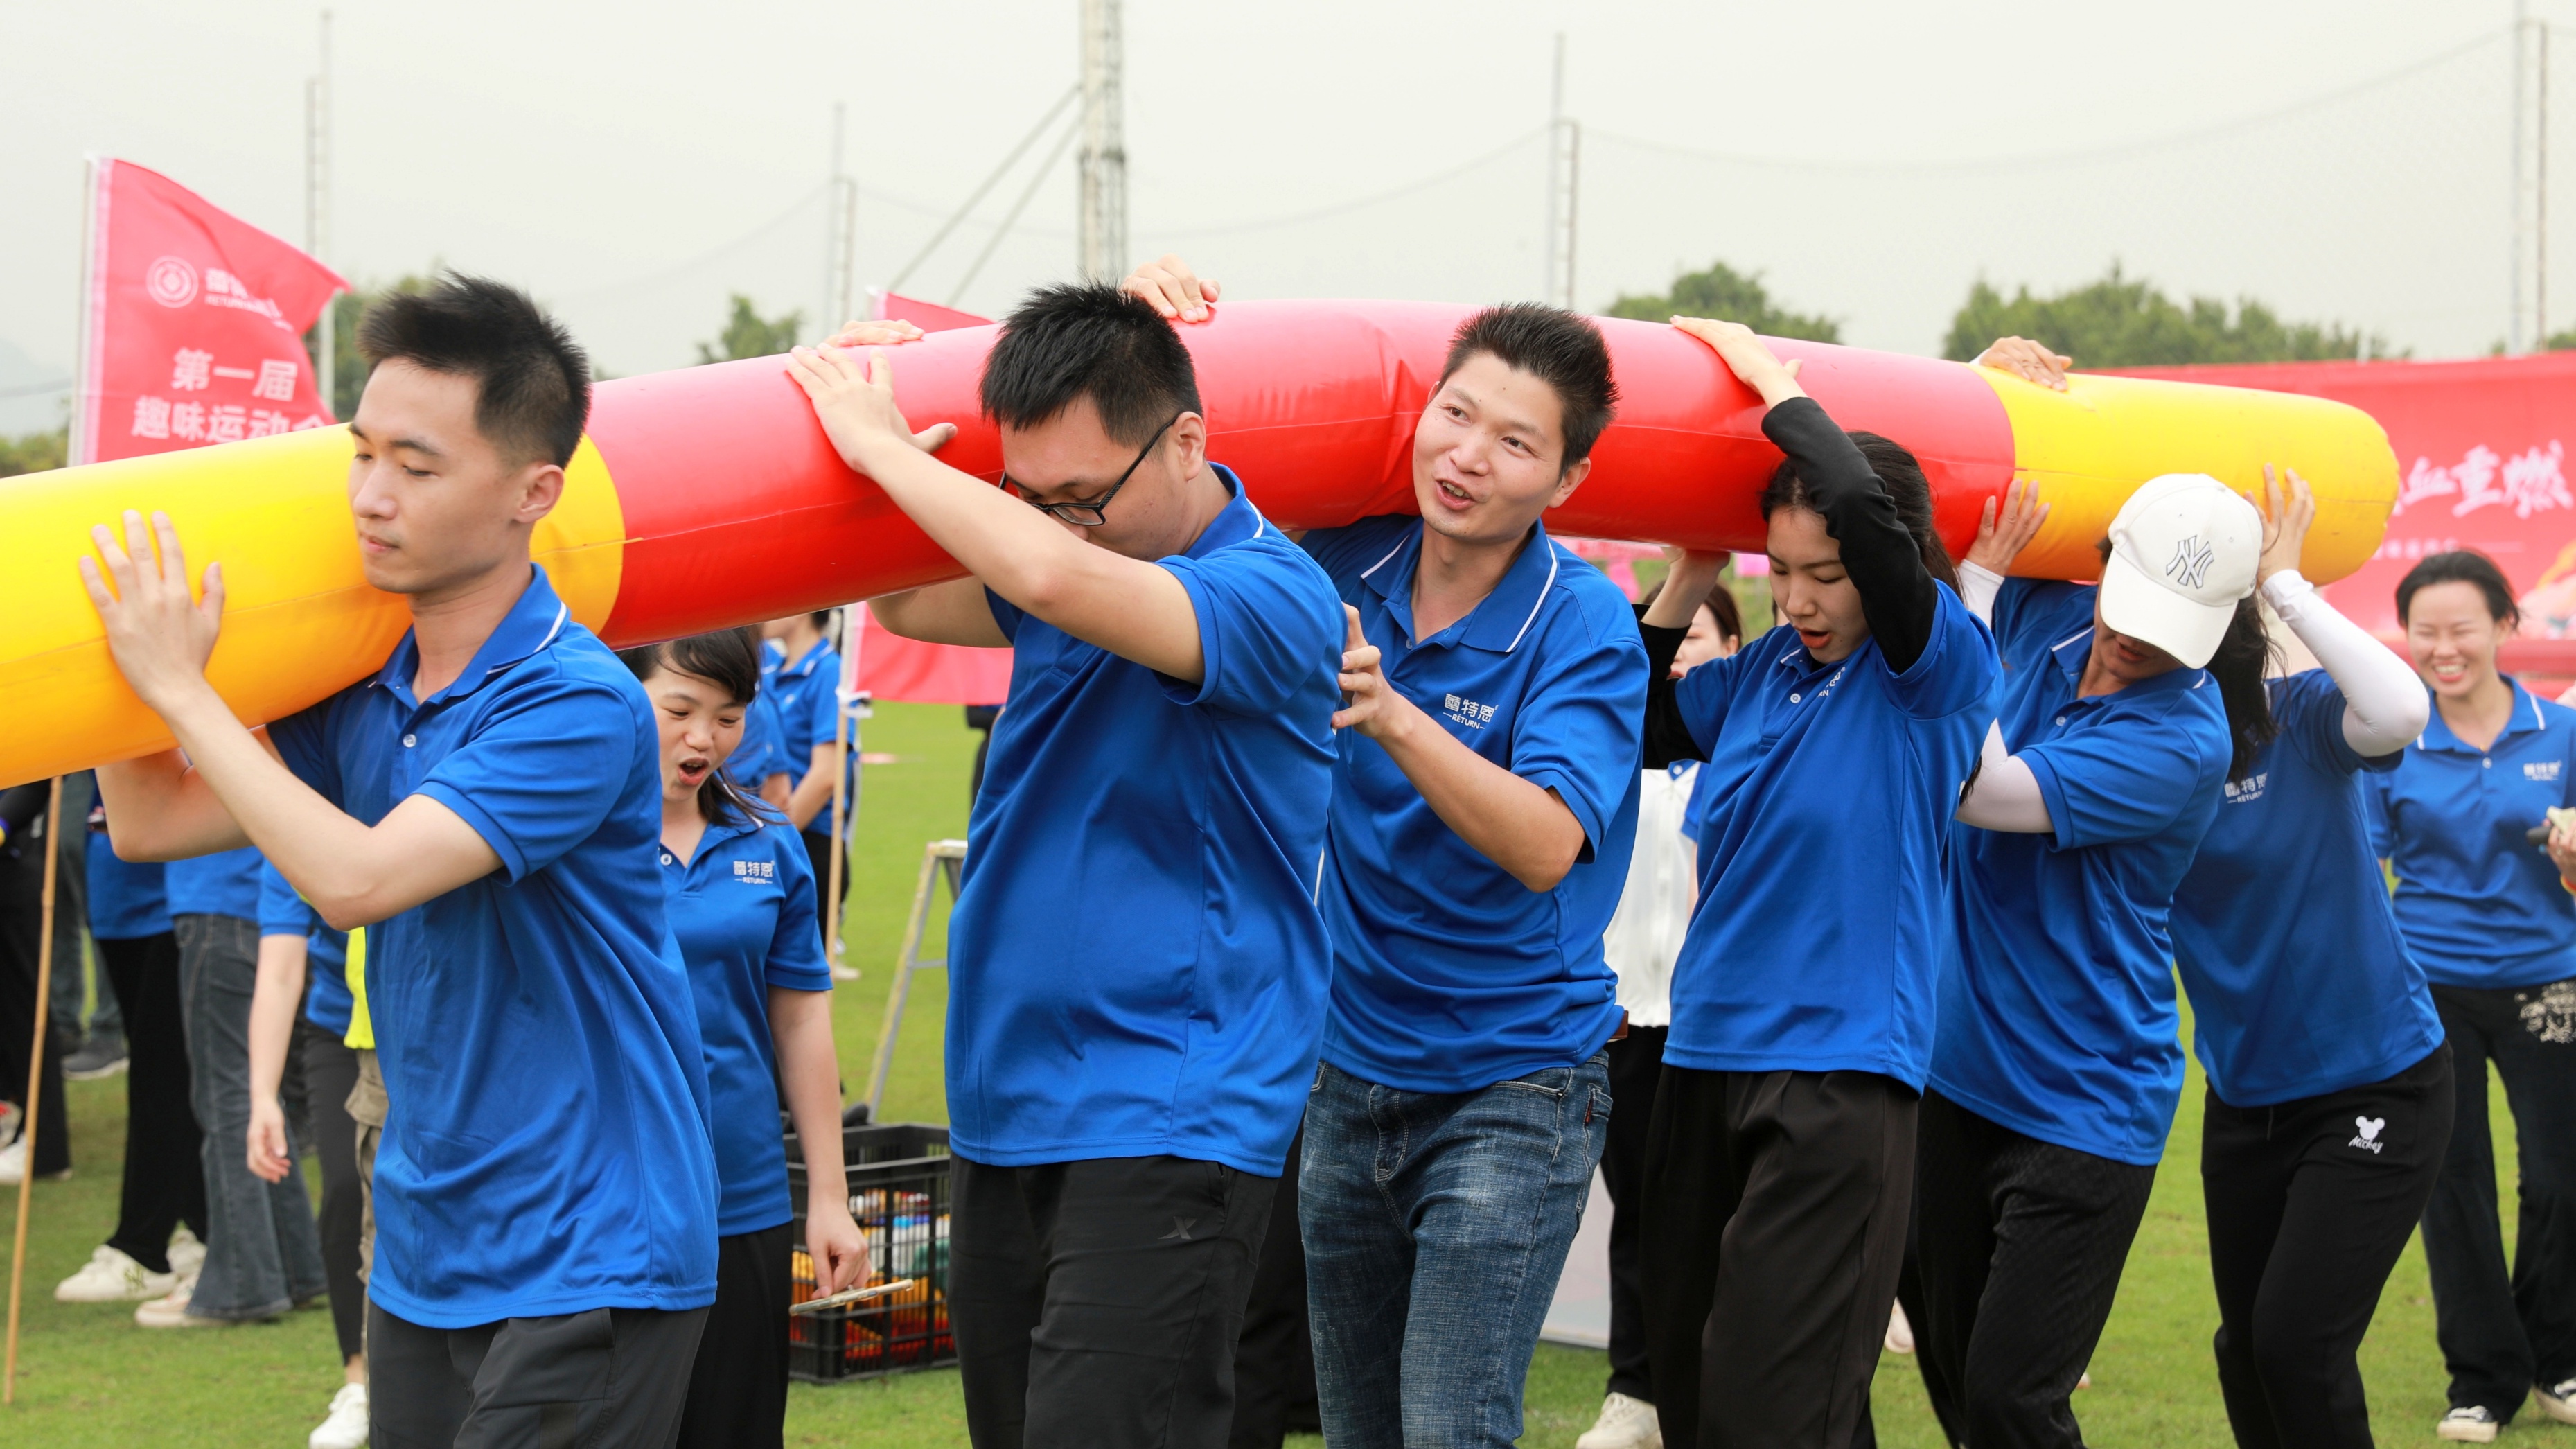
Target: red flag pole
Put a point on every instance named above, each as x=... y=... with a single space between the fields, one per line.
x=35 y=1080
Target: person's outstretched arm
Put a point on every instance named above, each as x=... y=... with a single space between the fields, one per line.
x=2384 y=705
x=276 y=991
x=1134 y=609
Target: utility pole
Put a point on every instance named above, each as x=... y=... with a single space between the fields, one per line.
x=840 y=225
x=1564 y=174
x=1103 y=222
x=317 y=213
x=2527 y=327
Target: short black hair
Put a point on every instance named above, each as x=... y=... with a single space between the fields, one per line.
x=2461 y=566
x=1088 y=339
x=532 y=380
x=1557 y=347
x=729 y=659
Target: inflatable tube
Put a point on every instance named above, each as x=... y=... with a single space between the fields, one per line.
x=709 y=497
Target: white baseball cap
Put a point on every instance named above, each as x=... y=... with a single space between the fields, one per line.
x=2183 y=551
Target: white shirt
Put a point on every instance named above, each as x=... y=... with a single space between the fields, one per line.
x=1645 y=934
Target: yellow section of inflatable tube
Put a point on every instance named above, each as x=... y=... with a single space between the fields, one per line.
x=300 y=620
x=2093 y=444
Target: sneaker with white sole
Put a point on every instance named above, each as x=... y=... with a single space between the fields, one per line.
x=1625 y=1423
x=347 y=1426
x=2468 y=1424
x=170 y=1310
x=113 y=1276
x=13 y=1165
x=187 y=1255
x=1900 y=1332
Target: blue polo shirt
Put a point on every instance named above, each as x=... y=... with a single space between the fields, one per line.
x=326 y=952
x=2058 y=1017
x=743 y=910
x=1136 y=965
x=2300 y=983
x=546 y=1151
x=1448 y=974
x=223 y=884
x=763 y=751
x=1821 y=817
x=2479 y=903
x=127 y=899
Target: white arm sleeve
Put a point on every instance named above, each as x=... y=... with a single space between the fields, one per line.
x=2005 y=795
x=2385 y=706
x=1978 y=586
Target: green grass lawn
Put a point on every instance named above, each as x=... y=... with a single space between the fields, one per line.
x=89 y=1377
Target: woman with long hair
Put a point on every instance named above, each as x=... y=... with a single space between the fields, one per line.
x=2483 y=880
x=2128 y=707
x=1780 y=1146
x=741 y=903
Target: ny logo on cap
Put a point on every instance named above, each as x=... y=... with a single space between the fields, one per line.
x=2191 y=562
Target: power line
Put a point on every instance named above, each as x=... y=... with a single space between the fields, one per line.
x=1340 y=208
x=989 y=183
x=1011 y=218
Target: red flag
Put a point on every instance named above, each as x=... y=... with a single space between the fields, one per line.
x=892 y=667
x=928 y=316
x=192 y=326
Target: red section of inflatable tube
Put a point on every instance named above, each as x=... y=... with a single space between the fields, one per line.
x=737 y=508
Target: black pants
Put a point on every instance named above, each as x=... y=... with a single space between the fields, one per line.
x=2310 y=1202
x=818 y=853
x=22 y=934
x=612 y=1378
x=1274 y=1359
x=1636 y=1060
x=330 y=1071
x=1775 y=1211
x=2501 y=1334
x=1098 y=1303
x=165 y=1185
x=738 y=1387
x=2021 y=1243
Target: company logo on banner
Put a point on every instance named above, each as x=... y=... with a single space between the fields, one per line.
x=2481 y=463
x=193 y=324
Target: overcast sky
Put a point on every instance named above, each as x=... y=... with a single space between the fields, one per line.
x=633 y=163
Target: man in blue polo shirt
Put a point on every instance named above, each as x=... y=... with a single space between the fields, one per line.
x=486 y=805
x=1137 y=970
x=1484 y=806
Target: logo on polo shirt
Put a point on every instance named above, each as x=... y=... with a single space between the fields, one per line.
x=2191 y=562
x=1466 y=711
x=2369 y=1138
x=2552 y=1017
x=2249 y=791
x=753 y=872
x=2545 y=771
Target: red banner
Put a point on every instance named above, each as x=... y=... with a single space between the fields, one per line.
x=2480 y=463
x=928 y=316
x=192 y=329
x=890 y=666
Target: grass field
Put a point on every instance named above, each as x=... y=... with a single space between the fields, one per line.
x=89 y=1377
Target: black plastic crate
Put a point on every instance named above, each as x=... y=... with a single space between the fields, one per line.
x=898 y=1175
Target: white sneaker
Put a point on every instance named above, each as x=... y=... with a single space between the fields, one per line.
x=170 y=1310
x=1900 y=1334
x=113 y=1276
x=1625 y=1423
x=347 y=1426
x=2557 y=1400
x=187 y=1255
x=2468 y=1424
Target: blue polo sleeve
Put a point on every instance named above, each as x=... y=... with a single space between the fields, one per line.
x=763 y=752
x=2376 y=807
x=1347 y=552
x=2307 y=709
x=303 y=741
x=1006 y=615
x=1270 y=630
x=2126 y=780
x=796 y=944
x=1706 y=695
x=1958 y=668
x=281 y=911
x=2034 y=616
x=1578 y=728
x=544 y=768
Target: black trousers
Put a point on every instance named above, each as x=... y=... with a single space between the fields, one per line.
x=1098 y=1303
x=2501 y=1333
x=22 y=934
x=2021 y=1243
x=613 y=1378
x=330 y=1071
x=2309 y=1204
x=165 y=1183
x=818 y=853
x=1636 y=1060
x=1274 y=1359
x=738 y=1387
x=1775 y=1212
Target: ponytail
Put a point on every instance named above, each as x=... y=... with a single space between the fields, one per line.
x=2244 y=656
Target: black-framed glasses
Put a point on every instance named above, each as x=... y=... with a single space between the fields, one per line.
x=1094 y=513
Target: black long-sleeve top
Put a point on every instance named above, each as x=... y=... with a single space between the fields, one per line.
x=21 y=804
x=1897 y=593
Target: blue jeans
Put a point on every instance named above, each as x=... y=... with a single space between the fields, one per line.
x=263 y=1256
x=1435 y=1227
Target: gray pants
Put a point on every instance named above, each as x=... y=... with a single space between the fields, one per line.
x=613 y=1378
x=262 y=1254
